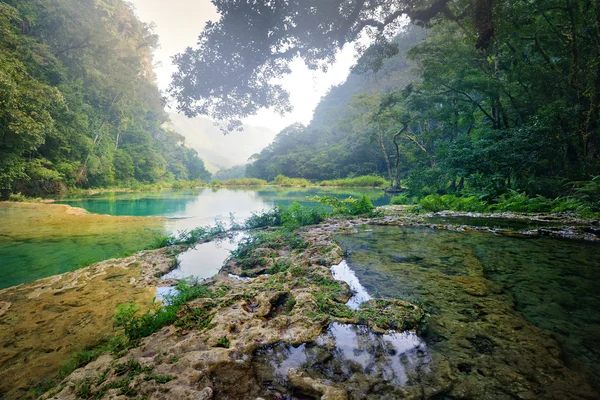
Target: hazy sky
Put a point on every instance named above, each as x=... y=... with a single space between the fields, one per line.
x=179 y=22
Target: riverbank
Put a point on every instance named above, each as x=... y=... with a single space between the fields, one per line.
x=361 y=182
x=295 y=304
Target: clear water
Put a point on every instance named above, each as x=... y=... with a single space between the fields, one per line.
x=204 y=260
x=187 y=209
x=342 y=354
x=343 y=272
x=493 y=300
x=40 y=240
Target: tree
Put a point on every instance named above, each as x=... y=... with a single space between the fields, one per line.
x=78 y=103
x=232 y=72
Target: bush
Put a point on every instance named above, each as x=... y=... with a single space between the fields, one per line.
x=401 y=199
x=588 y=191
x=521 y=202
x=359 y=181
x=349 y=206
x=264 y=219
x=435 y=202
x=297 y=215
x=281 y=180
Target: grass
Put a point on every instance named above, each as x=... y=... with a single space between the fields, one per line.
x=137 y=324
x=223 y=342
x=359 y=181
x=79 y=359
x=20 y=198
x=284 y=181
x=192 y=236
x=243 y=182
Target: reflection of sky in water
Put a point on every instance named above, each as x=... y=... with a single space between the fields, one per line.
x=390 y=355
x=188 y=209
x=342 y=272
x=162 y=292
x=398 y=358
x=204 y=260
x=285 y=358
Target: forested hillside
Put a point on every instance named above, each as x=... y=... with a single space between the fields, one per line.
x=505 y=98
x=334 y=145
x=78 y=103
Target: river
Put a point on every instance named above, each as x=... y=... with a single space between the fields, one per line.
x=37 y=240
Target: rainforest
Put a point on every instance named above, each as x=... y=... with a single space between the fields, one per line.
x=296 y=199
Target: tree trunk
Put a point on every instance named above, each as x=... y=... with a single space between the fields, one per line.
x=386 y=158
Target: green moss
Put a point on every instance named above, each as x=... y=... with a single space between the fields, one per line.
x=223 y=342
x=162 y=379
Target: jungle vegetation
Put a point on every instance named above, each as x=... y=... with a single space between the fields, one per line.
x=78 y=102
x=492 y=97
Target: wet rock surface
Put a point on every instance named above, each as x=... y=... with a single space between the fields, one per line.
x=289 y=335
x=42 y=323
x=511 y=318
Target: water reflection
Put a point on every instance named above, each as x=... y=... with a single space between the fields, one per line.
x=187 y=209
x=204 y=260
x=342 y=272
x=345 y=352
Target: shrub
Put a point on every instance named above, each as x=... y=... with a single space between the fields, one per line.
x=400 y=199
x=264 y=219
x=349 y=206
x=297 y=215
x=281 y=180
x=435 y=202
x=359 y=181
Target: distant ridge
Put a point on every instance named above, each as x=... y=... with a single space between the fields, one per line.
x=221 y=151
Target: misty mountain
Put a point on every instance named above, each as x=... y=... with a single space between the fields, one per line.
x=221 y=151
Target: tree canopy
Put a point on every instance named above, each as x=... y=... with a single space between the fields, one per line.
x=78 y=103
x=518 y=112
x=232 y=72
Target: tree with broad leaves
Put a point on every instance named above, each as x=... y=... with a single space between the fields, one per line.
x=233 y=71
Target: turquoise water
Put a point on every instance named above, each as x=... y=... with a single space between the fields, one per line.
x=40 y=240
x=187 y=209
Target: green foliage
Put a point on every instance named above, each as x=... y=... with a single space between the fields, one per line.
x=223 y=342
x=401 y=199
x=349 y=206
x=264 y=219
x=79 y=104
x=191 y=236
x=435 y=202
x=297 y=215
x=516 y=110
x=137 y=324
x=284 y=181
x=359 y=181
x=244 y=182
x=19 y=198
x=162 y=379
x=521 y=202
x=588 y=191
